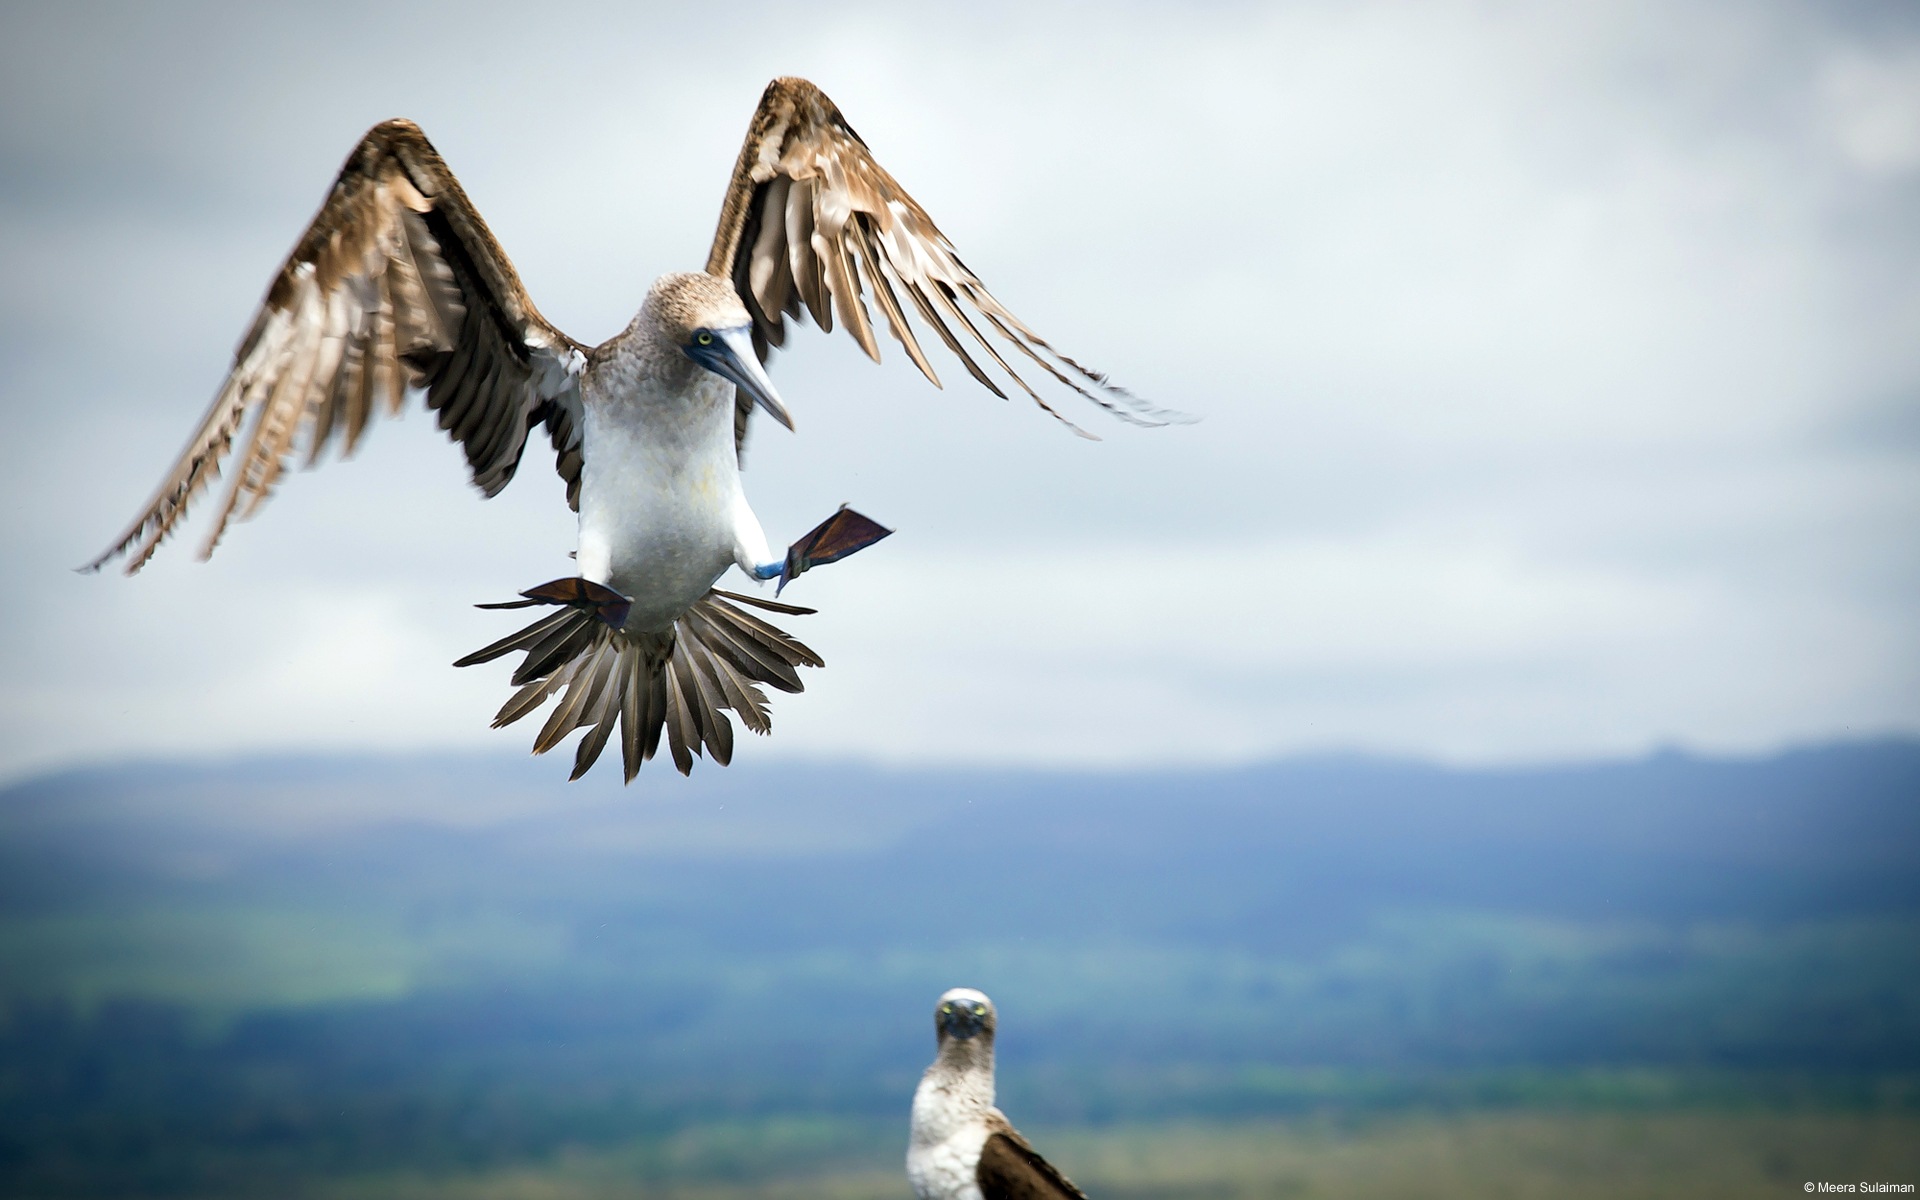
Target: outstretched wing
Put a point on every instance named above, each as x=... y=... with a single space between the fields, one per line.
x=812 y=225
x=396 y=282
x=1010 y=1169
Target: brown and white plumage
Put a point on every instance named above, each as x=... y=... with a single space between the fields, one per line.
x=681 y=681
x=397 y=283
x=812 y=225
x=961 y=1146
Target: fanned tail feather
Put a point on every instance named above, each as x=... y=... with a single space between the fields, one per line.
x=683 y=681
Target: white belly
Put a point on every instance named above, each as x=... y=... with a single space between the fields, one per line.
x=660 y=498
x=947 y=1169
x=949 y=1130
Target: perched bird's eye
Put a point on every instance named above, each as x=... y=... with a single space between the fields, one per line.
x=703 y=338
x=947 y=1009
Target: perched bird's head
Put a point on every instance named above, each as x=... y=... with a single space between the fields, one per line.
x=962 y=1015
x=703 y=316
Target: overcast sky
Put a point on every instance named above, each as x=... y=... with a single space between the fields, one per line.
x=1558 y=367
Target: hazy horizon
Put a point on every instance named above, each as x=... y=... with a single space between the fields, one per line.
x=436 y=977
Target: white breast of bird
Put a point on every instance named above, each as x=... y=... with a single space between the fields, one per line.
x=946 y=1169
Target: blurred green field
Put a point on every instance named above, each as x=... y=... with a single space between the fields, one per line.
x=1665 y=978
x=1479 y=1155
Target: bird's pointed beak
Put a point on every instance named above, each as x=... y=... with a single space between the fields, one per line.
x=963 y=1020
x=730 y=355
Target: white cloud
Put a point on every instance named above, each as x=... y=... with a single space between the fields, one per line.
x=1873 y=101
x=1556 y=364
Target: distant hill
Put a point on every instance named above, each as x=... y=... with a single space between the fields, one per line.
x=184 y=947
x=1829 y=829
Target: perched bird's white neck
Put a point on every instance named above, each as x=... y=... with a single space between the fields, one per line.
x=956 y=1092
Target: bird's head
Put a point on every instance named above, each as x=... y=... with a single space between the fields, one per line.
x=703 y=316
x=962 y=1015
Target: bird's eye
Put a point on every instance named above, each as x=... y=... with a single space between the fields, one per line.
x=703 y=338
x=947 y=1009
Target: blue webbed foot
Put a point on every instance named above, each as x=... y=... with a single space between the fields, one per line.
x=841 y=534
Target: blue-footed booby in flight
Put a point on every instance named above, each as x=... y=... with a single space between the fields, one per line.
x=398 y=284
x=962 y=1147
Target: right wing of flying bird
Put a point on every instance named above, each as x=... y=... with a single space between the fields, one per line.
x=812 y=225
x=396 y=283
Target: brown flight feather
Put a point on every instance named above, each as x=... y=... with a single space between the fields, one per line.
x=1010 y=1169
x=682 y=682
x=396 y=281
x=811 y=221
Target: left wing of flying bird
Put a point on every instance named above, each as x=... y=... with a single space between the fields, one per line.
x=812 y=225
x=397 y=282
x=1010 y=1169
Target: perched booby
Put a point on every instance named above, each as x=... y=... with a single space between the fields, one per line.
x=398 y=283
x=963 y=1148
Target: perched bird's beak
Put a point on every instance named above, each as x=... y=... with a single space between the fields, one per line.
x=962 y=1020
x=730 y=355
